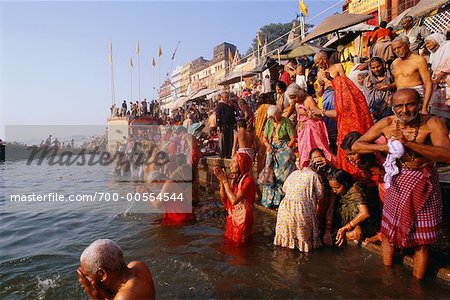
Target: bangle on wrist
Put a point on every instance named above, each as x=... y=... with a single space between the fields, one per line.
x=322 y=113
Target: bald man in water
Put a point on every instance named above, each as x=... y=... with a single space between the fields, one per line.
x=104 y=274
x=410 y=70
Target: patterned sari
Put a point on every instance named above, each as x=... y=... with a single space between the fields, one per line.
x=297 y=221
x=352 y=115
x=283 y=162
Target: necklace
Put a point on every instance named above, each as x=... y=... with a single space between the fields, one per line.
x=412 y=156
x=416 y=128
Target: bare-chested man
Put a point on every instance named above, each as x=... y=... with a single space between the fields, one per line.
x=410 y=70
x=412 y=212
x=104 y=274
x=244 y=140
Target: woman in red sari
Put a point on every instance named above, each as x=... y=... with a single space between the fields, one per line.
x=238 y=197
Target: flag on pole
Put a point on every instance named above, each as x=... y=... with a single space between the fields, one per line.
x=230 y=56
x=110 y=53
x=259 y=39
x=138 y=49
x=153 y=62
x=303 y=7
x=159 y=51
x=131 y=63
x=236 y=57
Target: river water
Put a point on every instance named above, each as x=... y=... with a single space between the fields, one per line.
x=41 y=245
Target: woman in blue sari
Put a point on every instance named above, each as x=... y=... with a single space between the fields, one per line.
x=279 y=140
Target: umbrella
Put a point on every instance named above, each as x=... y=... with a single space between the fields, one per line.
x=302 y=51
x=424 y=7
x=236 y=77
x=343 y=39
x=394 y=23
x=202 y=93
x=358 y=28
x=335 y=23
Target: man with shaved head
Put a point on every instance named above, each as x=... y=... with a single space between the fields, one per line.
x=104 y=274
x=412 y=212
x=410 y=70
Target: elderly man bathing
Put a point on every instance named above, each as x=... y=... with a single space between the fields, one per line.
x=410 y=70
x=105 y=275
x=412 y=212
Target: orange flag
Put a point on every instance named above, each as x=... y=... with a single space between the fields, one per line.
x=230 y=56
x=159 y=51
x=153 y=62
x=131 y=63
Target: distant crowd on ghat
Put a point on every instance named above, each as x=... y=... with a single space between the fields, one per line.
x=344 y=152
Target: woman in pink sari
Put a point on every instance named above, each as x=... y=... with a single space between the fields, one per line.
x=312 y=132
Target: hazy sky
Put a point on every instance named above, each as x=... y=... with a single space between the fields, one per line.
x=54 y=65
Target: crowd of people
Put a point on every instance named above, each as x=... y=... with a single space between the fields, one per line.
x=343 y=152
x=346 y=152
x=137 y=109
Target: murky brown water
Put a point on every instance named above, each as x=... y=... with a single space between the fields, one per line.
x=40 y=251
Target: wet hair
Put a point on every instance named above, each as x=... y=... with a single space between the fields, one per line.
x=103 y=253
x=342 y=177
x=316 y=150
x=350 y=139
x=241 y=123
x=383 y=24
x=367 y=160
x=281 y=85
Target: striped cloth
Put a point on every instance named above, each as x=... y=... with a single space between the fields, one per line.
x=412 y=212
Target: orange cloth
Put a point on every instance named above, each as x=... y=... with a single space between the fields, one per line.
x=352 y=115
x=380 y=33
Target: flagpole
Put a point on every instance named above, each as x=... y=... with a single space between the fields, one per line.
x=139 y=72
x=159 y=75
x=302 y=23
x=131 y=80
x=153 y=80
x=258 y=38
x=113 y=94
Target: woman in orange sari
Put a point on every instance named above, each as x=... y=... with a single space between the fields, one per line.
x=351 y=110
